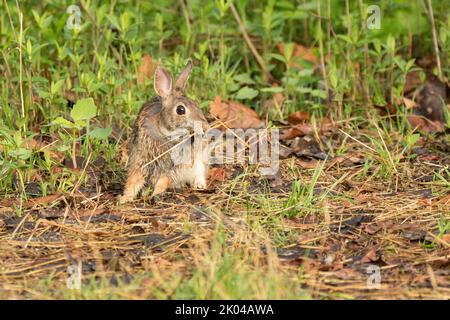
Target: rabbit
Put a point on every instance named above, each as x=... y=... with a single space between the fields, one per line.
x=154 y=137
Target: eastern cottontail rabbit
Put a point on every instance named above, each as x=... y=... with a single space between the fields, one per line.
x=154 y=137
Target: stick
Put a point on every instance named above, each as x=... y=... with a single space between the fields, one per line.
x=322 y=59
x=21 y=66
x=435 y=41
x=250 y=44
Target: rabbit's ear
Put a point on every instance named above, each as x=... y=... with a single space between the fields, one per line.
x=180 y=84
x=163 y=82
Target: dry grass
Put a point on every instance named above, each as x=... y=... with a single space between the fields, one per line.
x=240 y=239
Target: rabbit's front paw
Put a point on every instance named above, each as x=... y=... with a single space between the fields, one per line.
x=124 y=199
x=199 y=183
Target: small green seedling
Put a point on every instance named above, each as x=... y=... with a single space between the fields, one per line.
x=83 y=111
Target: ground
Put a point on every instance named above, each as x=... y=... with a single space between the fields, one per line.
x=329 y=232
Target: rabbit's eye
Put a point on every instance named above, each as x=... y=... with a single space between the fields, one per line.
x=181 y=110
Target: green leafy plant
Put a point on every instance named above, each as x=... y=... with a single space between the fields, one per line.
x=81 y=114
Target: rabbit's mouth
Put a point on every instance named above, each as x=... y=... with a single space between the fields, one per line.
x=176 y=133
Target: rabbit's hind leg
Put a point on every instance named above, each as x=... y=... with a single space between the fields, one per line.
x=161 y=185
x=134 y=184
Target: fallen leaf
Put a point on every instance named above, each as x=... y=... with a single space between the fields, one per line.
x=9 y=203
x=326 y=125
x=308 y=164
x=79 y=164
x=349 y=160
x=409 y=104
x=307 y=146
x=444 y=201
x=146 y=69
x=372 y=228
x=88 y=213
x=278 y=98
x=412 y=81
x=217 y=174
x=370 y=256
x=365 y=198
x=423 y=124
x=298 y=117
x=235 y=115
x=43 y=200
x=298 y=130
x=446 y=238
x=300 y=126
x=301 y=52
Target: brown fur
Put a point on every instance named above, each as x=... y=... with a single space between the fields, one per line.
x=149 y=145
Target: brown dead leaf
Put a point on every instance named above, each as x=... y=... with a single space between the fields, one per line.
x=425 y=125
x=301 y=52
x=444 y=201
x=365 y=198
x=409 y=104
x=44 y=200
x=9 y=203
x=298 y=130
x=77 y=165
x=146 y=69
x=386 y=224
x=31 y=144
x=278 y=98
x=351 y=159
x=88 y=213
x=308 y=164
x=346 y=274
x=446 y=238
x=370 y=256
x=398 y=101
x=298 y=117
x=372 y=228
x=429 y=157
x=412 y=81
x=217 y=174
x=300 y=126
x=234 y=114
x=326 y=125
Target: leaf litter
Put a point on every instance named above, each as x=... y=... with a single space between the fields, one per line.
x=392 y=224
